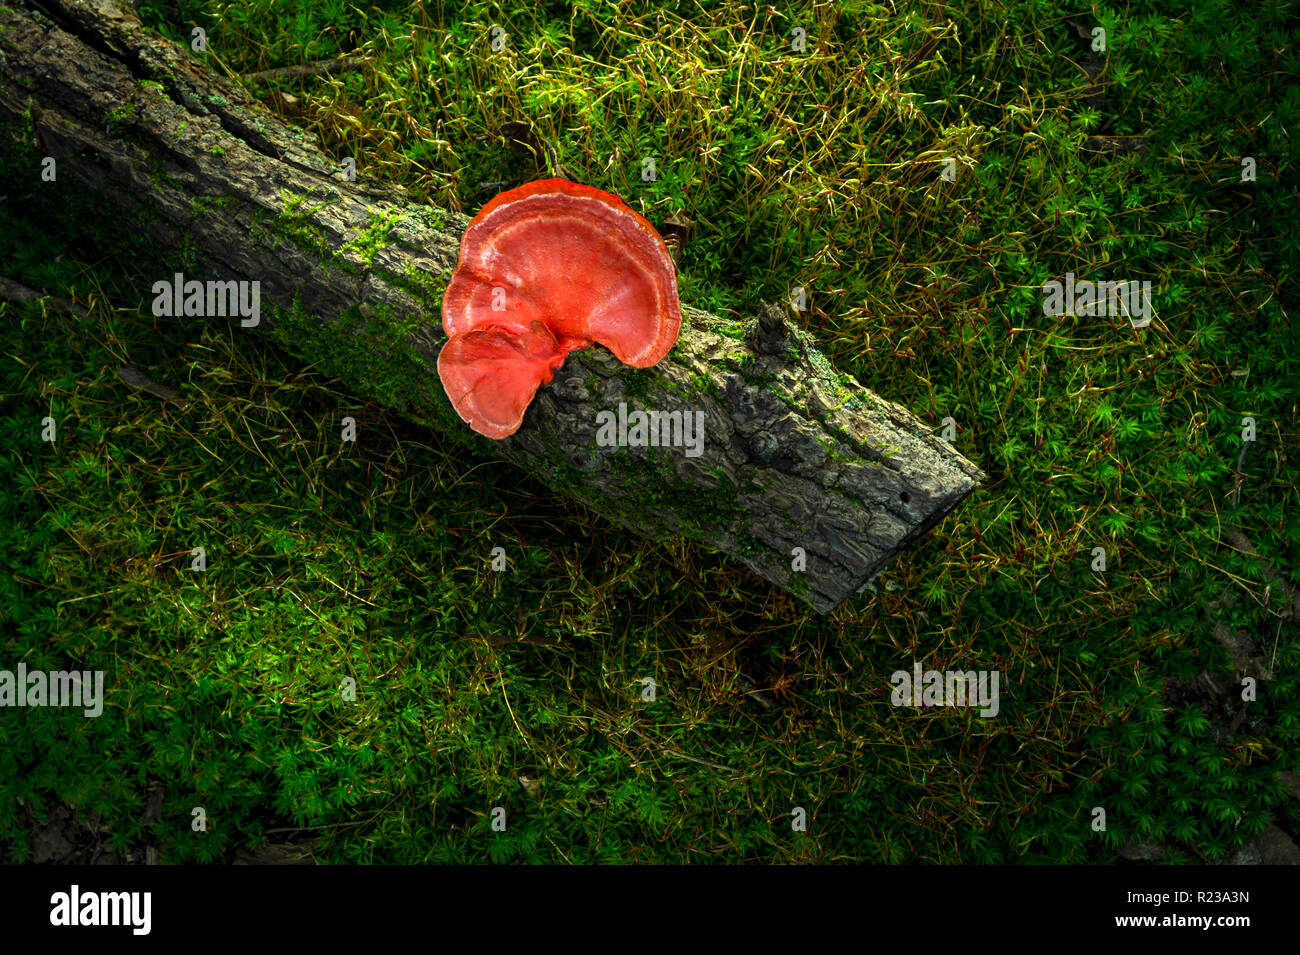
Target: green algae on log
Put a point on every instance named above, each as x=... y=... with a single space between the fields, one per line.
x=813 y=482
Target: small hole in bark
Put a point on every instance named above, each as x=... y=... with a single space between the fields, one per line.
x=904 y=497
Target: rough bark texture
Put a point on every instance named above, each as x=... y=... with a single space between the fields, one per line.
x=794 y=455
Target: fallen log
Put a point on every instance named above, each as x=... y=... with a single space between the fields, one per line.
x=806 y=477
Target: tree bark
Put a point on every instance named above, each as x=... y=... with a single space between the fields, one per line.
x=351 y=276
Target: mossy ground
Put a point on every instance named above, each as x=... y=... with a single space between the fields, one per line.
x=521 y=689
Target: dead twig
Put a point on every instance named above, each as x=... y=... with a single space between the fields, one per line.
x=16 y=292
x=340 y=64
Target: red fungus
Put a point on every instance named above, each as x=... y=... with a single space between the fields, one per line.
x=546 y=269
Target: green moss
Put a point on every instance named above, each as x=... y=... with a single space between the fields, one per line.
x=424 y=287
x=798 y=585
x=188 y=254
x=115 y=119
x=748 y=546
x=159 y=176
x=818 y=361
x=374 y=236
x=757 y=380
x=705 y=383
x=636 y=381
x=427 y=217
x=293 y=224
x=388 y=367
x=831 y=447
x=727 y=328
x=200 y=205
x=792 y=404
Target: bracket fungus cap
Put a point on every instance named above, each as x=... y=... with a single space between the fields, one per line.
x=546 y=269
